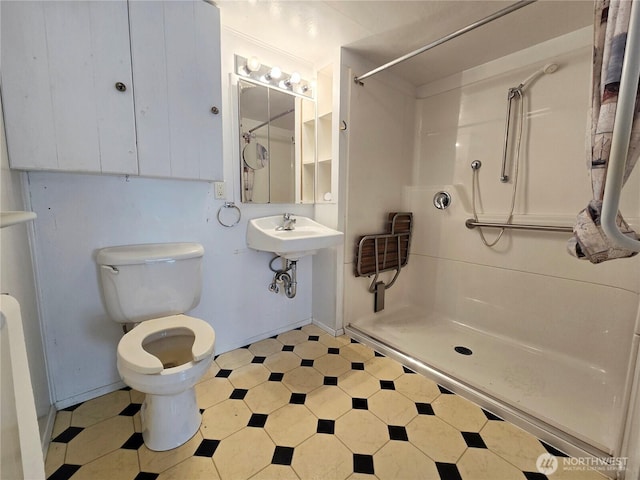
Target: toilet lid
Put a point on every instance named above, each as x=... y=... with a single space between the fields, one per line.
x=136 y=358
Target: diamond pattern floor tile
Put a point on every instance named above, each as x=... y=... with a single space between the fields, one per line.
x=117 y=464
x=303 y=405
x=244 y=453
x=99 y=439
x=291 y=425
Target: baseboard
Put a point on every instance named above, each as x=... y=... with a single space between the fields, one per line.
x=45 y=424
x=329 y=330
x=91 y=394
x=248 y=341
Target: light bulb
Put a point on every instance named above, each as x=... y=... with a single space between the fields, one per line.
x=275 y=73
x=253 y=64
x=295 y=78
x=292 y=81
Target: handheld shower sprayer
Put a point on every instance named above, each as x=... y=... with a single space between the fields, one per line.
x=548 y=68
x=519 y=93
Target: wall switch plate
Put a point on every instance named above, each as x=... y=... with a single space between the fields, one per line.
x=220 y=189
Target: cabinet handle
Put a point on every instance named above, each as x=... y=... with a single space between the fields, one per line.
x=121 y=87
x=215 y=110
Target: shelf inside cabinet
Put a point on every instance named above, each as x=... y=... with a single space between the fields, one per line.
x=326 y=116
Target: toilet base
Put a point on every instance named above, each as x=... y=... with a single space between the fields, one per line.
x=169 y=421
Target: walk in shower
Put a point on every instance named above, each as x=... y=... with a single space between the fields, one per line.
x=523 y=328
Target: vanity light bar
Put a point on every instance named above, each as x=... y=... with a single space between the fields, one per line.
x=253 y=69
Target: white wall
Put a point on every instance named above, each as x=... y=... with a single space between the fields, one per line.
x=379 y=145
x=79 y=214
x=17 y=278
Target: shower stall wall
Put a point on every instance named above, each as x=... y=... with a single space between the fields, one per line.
x=548 y=338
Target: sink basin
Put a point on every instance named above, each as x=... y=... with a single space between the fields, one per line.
x=307 y=238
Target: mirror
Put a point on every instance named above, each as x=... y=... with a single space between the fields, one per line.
x=277 y=137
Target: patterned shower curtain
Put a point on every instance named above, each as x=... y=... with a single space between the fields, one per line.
x=610 y=37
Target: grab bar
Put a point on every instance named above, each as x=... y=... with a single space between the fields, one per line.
x=621 y=135
x=513 y=92
x=471 y=223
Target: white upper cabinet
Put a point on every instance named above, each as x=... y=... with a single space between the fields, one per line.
x=60 y=64
x=113 y=87
x=175 y=47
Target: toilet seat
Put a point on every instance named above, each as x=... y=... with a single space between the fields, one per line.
x=133 y=356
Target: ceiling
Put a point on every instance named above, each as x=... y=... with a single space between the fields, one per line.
x=383 y=30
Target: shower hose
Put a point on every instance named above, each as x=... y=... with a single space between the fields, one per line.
x=475 y=184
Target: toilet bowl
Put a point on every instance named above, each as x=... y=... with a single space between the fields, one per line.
x=164 y=358
x=165 y=352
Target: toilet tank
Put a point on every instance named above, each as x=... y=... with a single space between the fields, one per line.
x=140 y=282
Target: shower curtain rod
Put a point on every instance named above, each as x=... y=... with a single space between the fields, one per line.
x=500 y=13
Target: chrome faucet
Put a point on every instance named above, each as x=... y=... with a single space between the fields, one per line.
x=288 y=222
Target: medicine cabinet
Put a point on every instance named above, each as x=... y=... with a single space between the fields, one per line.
x=277 y=134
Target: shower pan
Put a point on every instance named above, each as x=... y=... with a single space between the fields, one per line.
x=476 y=338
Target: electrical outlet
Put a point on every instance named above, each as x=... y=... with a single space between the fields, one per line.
x=220 y=189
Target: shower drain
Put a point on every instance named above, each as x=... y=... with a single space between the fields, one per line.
x=463 y=350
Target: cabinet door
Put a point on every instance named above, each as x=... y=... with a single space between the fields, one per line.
x=60 y=64
x=175 y=48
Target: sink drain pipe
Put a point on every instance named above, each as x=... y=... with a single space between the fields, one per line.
x=286 y=277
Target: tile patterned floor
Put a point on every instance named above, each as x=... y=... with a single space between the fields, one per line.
x=303 y=405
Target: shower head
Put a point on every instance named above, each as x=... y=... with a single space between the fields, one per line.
x=548 y=68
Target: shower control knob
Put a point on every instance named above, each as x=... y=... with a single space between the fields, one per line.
x=441 y=200
x=274 y=288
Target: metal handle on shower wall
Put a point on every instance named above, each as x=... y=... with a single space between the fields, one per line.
x=504 y=177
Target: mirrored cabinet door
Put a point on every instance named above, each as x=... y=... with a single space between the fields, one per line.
x=254 y=141
x=282 y=147
x=277 y=145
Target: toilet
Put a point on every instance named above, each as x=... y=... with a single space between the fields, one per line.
x=164 y=352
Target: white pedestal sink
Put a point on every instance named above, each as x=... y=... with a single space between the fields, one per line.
x=306 y=238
